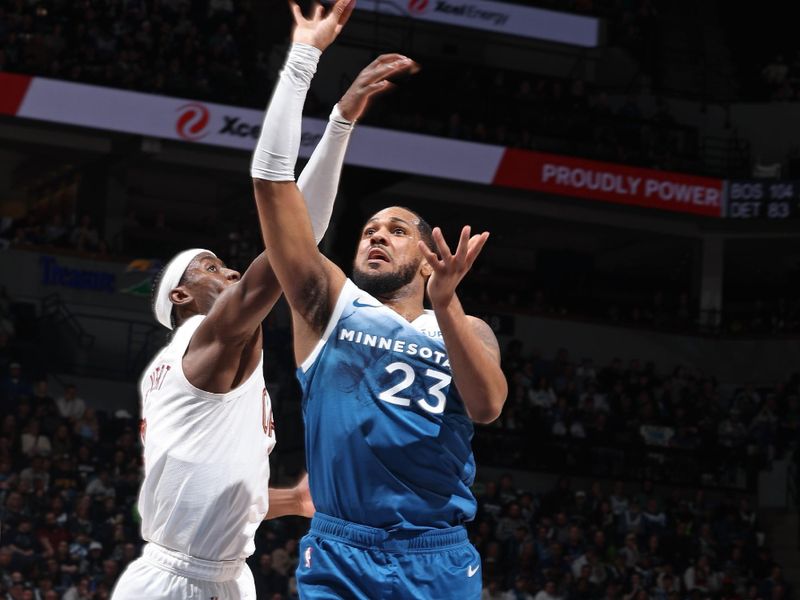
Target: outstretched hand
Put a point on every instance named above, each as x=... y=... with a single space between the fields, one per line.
x=372 y=80
x=320 y=29
x=449 y=270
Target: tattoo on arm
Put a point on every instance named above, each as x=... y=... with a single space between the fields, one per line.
x=316 y=304
x=487 y=337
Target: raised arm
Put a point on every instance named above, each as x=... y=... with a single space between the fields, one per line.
x=227 y=344
x=471 y=344
x=226 y=347
x=307 y=278
x=319 y=180
x=311 y=282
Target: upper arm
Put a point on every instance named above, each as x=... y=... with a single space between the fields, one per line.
x=227 y=345
x=487 y=337
x=241 y=308
x=310 y=281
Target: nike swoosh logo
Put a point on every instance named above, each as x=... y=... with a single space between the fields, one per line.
x=358 y=304
x=472 y=570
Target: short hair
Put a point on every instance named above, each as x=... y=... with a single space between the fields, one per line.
x=424 y=228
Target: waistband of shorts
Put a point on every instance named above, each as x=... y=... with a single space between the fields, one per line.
x=191 y=567
x=403 y=540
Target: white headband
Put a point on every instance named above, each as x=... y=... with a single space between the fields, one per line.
x=162 y=306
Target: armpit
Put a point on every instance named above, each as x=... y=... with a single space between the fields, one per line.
x=316 y=307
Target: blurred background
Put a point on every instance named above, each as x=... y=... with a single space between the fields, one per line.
x=637 y=163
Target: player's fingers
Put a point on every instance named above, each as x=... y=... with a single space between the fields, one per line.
x=463 y=244
x=342 y=10
x=376 y=72
x=318 y=12
x=297 y=13
x=378 y=87
x=405 y=65
x=386 y=65
x=441 y=245
x=347 y=12
x=389 y=57
x=476 y=244
x=429 y=255
x=402 y=62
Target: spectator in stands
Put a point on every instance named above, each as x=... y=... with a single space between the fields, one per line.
x=55 y=232
x=700 y=576
x=775 y=72
x=548 y=592
x=35 y=443
x=630 y=551
x=84 y=236
x=13 y=387
x=510 y=522
x=70 y=405
x=87 y=427
x=731 y=432
x=37 y=471
x=268 y=580
x=101 y=486
x=23 y=544
x=653 y=518
x=62 y=441
x=542 y=395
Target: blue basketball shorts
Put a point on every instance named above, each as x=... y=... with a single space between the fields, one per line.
x=340 y=559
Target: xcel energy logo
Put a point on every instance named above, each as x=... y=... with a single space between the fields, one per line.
x=192 y=121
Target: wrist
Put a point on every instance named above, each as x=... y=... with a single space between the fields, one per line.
x=443 y=305
x=337 y=117
x=303 y=57
x=304 y=49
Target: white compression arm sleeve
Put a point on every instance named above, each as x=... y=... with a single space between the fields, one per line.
x=320 y=178
x=275 y=155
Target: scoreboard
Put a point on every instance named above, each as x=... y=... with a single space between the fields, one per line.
x=763 y=199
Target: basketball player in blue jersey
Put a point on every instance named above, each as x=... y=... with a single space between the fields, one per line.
x=390 y=390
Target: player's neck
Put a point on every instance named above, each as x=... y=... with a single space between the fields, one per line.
x=406 y=302
x=409 y=313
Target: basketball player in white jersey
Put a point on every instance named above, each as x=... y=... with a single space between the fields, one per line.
x=207 y=422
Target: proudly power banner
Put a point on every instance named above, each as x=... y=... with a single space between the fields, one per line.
x=509 y=19
x=212 y=124
x=610 y=182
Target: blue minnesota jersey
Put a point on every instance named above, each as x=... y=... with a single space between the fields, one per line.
x=387 y=435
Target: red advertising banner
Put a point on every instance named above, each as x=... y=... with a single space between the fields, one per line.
x=14 y=87
x=609 y=182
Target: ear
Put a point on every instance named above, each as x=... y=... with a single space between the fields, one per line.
x=425 y=269
x=180 y=296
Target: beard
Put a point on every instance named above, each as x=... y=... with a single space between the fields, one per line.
x=384 y=284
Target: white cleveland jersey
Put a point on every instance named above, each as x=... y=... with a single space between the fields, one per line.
x=206 y=458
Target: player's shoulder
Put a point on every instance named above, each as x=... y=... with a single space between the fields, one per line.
x=176 y=344
x=484 y=331
x=478 y=323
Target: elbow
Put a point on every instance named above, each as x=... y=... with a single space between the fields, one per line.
x=489 y=410
x=485 y=417
x=263 y=188
x=266 y=189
